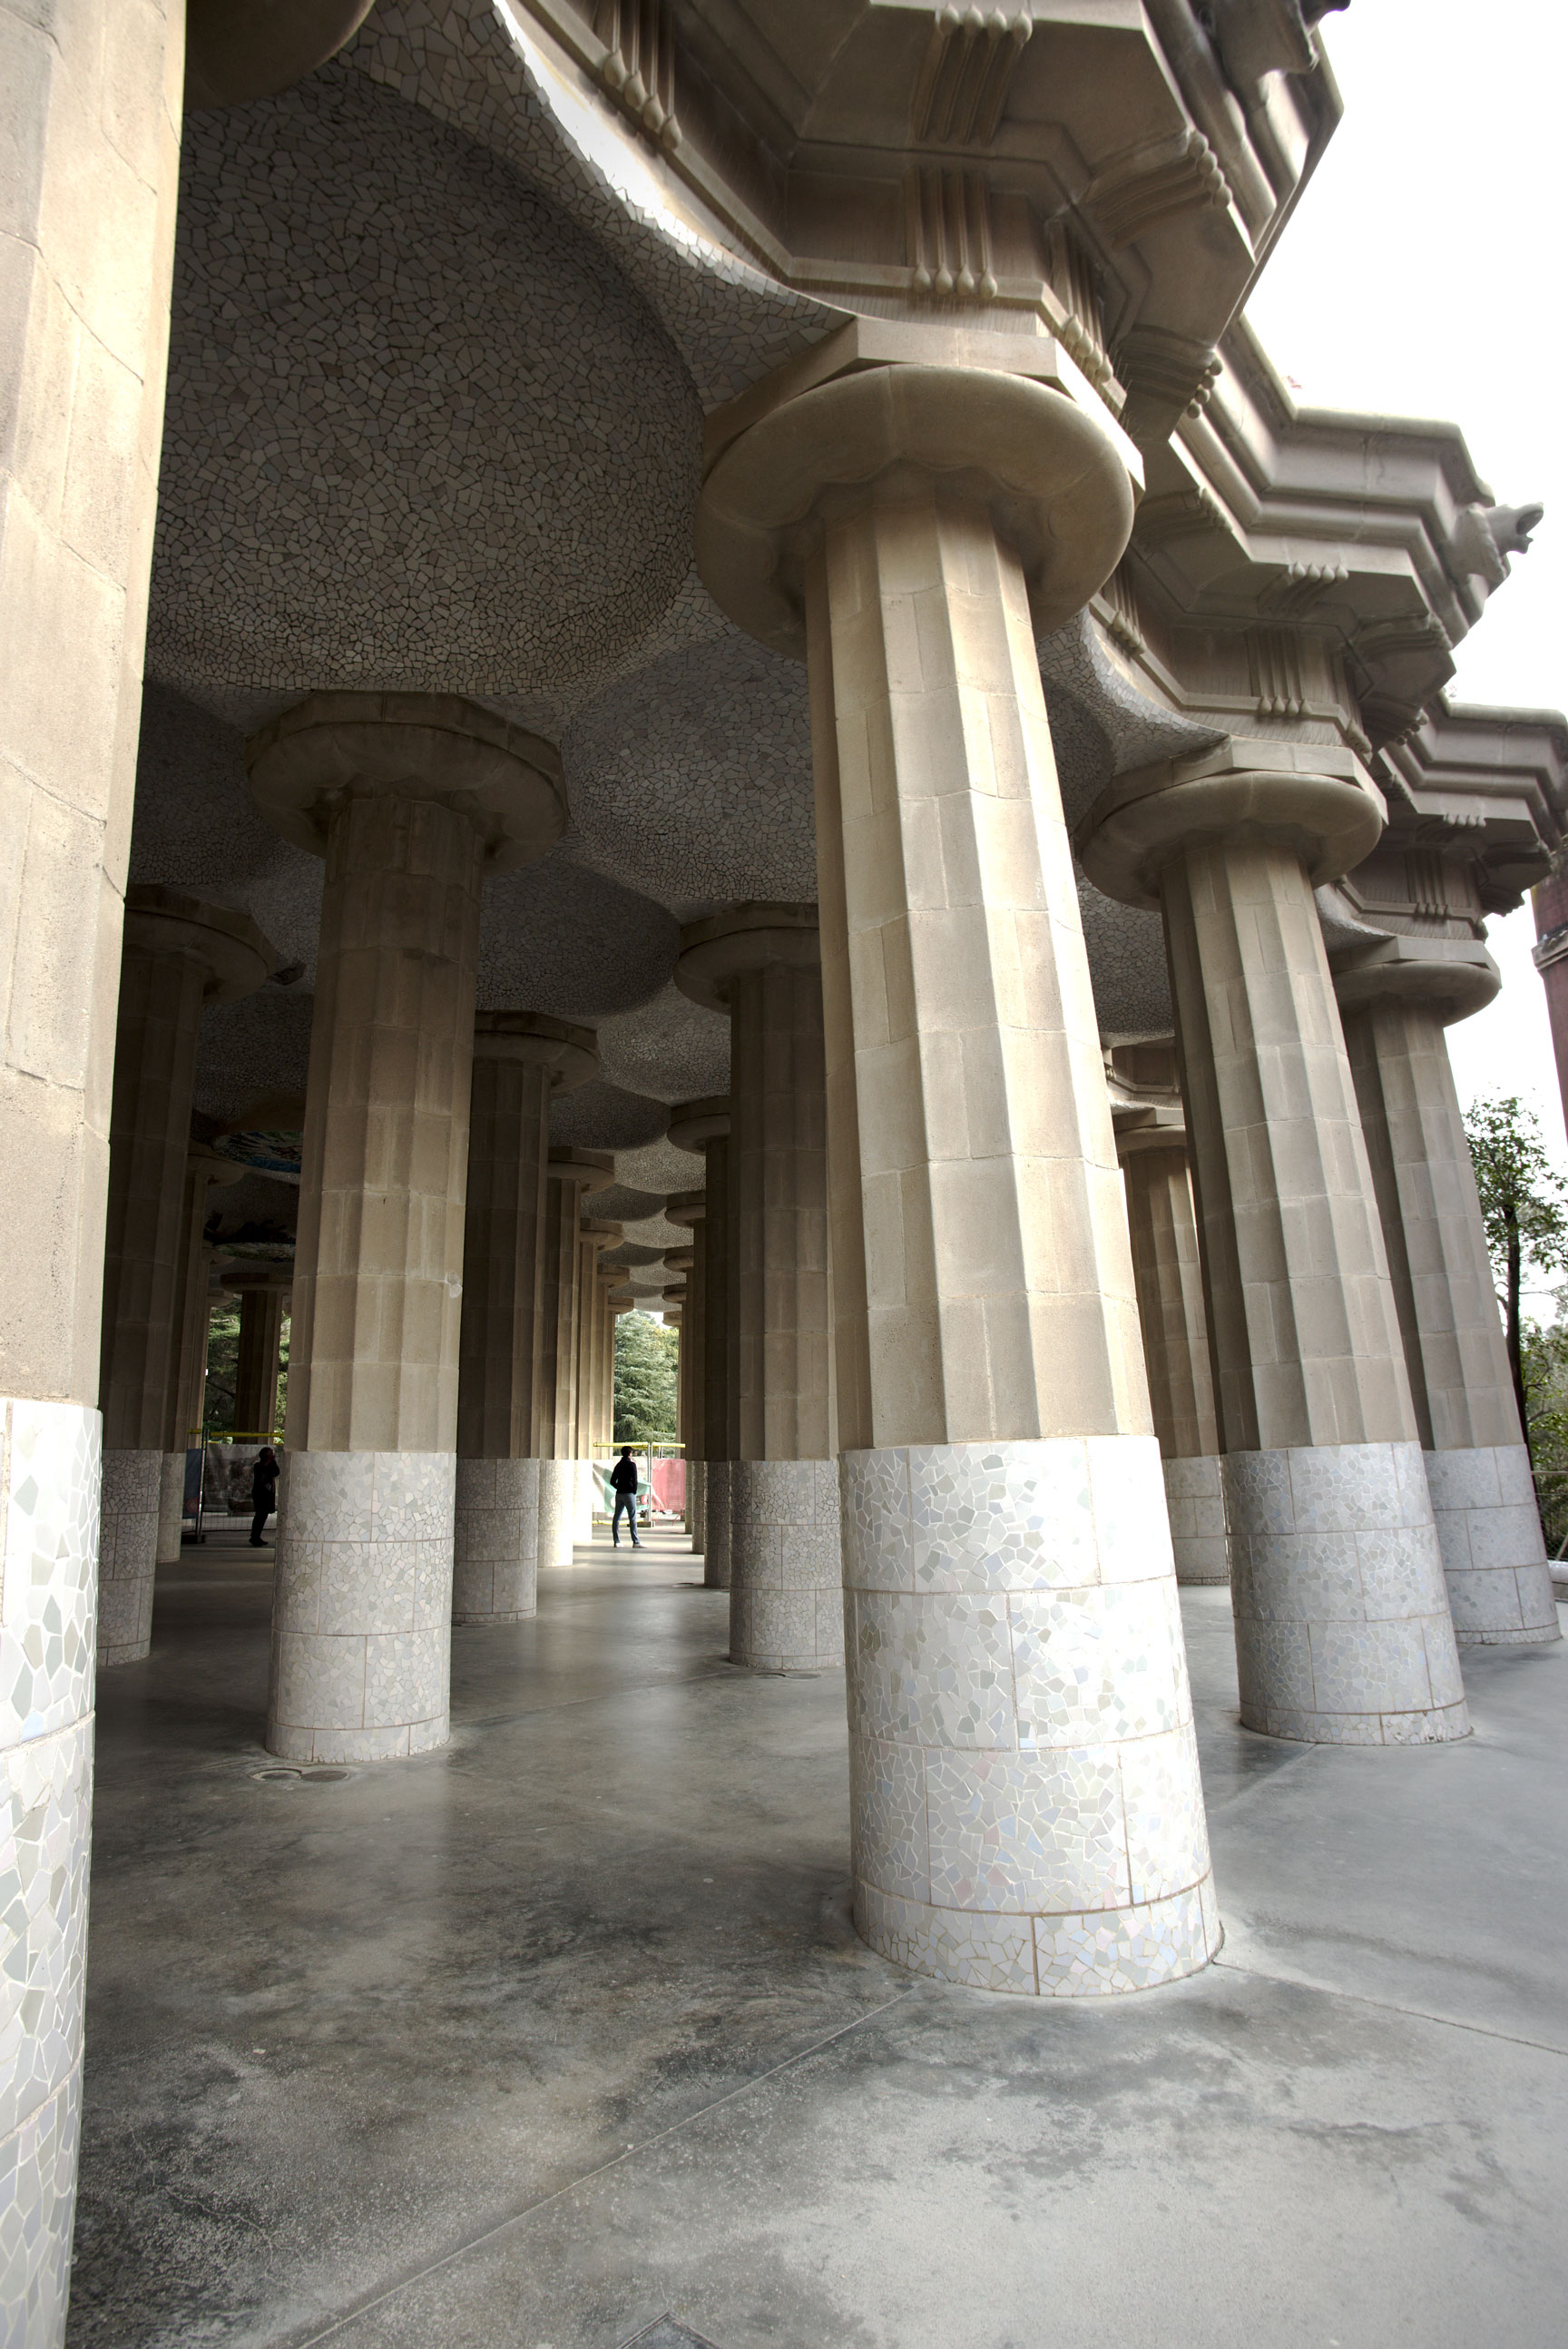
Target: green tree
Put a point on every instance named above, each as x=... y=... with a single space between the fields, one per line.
x=646 y=1355
x=1521 y=1205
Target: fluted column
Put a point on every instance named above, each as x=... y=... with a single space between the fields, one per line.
x=409 y=796
x=571 y=1174
x=521 y=1060
x=704 y=1126
x=690 y=1208
x=1170 y=1283
x=1026 y=1810
x=1343 y=1630
x=760 y=963
x=1394 y=1010
x=263 y=1301
x=193 y=1312
x=86 y=238
x=180 y=953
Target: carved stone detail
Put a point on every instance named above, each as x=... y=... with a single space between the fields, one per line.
x=1275 y=657
x=1154 y=184
x=949 y=226
x=638 y=69
x=963 y=83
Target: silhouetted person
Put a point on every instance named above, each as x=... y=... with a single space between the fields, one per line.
x=624 y=1477
x=263 y=1492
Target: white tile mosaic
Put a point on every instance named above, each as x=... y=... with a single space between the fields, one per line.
x=128 y=1554
x=495 y=1551
x=38 y=2214
x=362 y=1604
x=784 y=1553
x=1344 y=1633
x=1021 y=1742
x=50 y=1519
x=1196 y=1504
x=50 y=1500
x=1494 y=1559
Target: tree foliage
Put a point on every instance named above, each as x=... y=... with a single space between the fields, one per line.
x=646 y=1352
x=1522 y=1207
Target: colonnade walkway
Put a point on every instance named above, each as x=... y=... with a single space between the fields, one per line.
x=560 y=2036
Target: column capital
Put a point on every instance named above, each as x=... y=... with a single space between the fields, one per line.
x=687 y=1207
x=571 y=1054
x=203 y=1160
x=756 y=935
x=1454 y=976
x=225 y=942
x=586 y=1170
x=1053 y=466
x=1316 y=798
x=694 y=1124
x=1147 y=1128
x=333 y=747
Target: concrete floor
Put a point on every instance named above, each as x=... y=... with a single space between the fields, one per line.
x=562 y=2031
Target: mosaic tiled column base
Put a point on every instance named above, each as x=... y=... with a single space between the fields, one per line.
x=170 y=1507
x=1196 y=1504
x=1343 y=1631
x=127 y=1555
x=716 y=1525
x=363 y=1604
x=1488 y=1534
x=495 y=1542
x=557 y=1500
x=49 y=1518
x=1026 y=1812
x=785 y=1573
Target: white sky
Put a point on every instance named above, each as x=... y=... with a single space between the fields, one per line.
x=1423 y=275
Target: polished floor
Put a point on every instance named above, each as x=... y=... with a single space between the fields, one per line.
x=561 y=2038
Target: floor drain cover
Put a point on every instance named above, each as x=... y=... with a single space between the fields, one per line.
x=286 y=1774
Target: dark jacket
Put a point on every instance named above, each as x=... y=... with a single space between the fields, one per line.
x=263 y=1484
x=623 y=1476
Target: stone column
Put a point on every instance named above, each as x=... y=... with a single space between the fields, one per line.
x=520 y=1060
x=180 y=953
x=589 y=1368
x=263 y=1300
x=193 y=1311
x=1343 y=1630
x=704 y=1126
x=760 y=964
x=690 y=1208
x=1153 y=1148
x=86 y=234
x=1477 y=1470
x=571 y=1173
x=409 y=796
x=1026 y=1809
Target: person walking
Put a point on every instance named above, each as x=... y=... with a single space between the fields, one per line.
x=263 y=1492
x=624 y=1477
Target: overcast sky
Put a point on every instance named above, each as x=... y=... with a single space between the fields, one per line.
x=1422 y=275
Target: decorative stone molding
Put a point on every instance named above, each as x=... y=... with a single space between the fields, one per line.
x=948 y=217
x=969 y=61
x=638 y=68
x=1153 y=184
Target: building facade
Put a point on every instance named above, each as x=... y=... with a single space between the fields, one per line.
x=688 y=656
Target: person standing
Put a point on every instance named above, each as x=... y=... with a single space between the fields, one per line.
x=623 y=1478
x=263 y=1492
